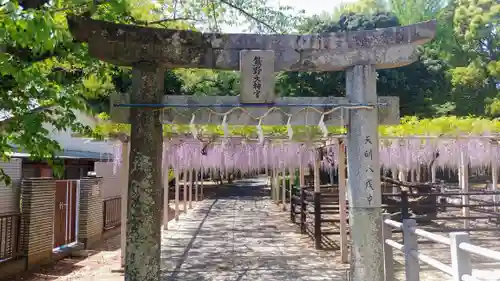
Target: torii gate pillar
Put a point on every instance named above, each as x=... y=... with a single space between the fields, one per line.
x=144 y=202
x=149 y=50
x=365 y=196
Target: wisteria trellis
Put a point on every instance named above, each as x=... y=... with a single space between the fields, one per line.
x=402 y=153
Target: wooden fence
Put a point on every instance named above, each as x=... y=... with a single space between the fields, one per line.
x=9 y=236
x=111 y=213
x=460 y=251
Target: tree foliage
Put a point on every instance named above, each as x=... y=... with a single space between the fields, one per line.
x=467 y=46
x=419 y=85
x=476 y=26
x=41 y=67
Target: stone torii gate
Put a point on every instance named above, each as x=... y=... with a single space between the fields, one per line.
x=149 y=51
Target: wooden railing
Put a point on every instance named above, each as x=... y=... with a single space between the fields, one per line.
x=460 y=251
x=306 y=203
x=111 y=213
x=9 y=236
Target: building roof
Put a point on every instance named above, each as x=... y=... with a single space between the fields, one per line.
x=72 y=154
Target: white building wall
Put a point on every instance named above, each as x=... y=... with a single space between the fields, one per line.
x=67 y=141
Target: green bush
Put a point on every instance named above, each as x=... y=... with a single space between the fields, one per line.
x=171 y=175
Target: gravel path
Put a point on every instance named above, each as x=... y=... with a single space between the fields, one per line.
x=241 y=235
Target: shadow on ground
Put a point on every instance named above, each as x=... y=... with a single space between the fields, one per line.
x=239 y=234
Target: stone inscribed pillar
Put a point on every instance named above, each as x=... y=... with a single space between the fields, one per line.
x=91 y=204
x=142 y=262
x=257 y=76
x=166 y=187
x=364 y=176
x=38 y=197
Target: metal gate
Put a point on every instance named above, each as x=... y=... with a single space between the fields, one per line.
x=66 y=212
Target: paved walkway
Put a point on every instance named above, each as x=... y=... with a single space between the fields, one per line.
x=241 y=235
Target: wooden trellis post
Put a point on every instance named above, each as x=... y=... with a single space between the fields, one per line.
x=191 y=182
x=464 y=185
x=283 y=189
x=166 y=188
x=344 y=247
x=177 y=193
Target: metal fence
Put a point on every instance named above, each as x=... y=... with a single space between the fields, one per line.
x=112 y=213
x=9 y=236
x=460 y=251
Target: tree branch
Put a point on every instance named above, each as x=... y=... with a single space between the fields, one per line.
x=216 y=27
x=146 y=23
x=248 y=15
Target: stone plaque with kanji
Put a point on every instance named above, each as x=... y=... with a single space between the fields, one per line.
x=257 y=76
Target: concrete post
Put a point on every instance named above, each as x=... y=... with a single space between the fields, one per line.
x=196 y=185
x=166 y=187
x=344 y=247
x=302 y=200
x=202 y=179
x=464 y=185
x=144 y=193
x=364 y=176
x=412 y=265
x=433 y=173
x=291 y=182
x=317 y=164
x=283 y=189
x=332 y=176
x=191 y=182
x=301 y=176
x=402 y=175
x=293 y=202
x=494 y=179
x=460 y=260
x=266 y=167
x=277 y=185
x=226 y=175
x=124 y=170
x=388 y=251
x=395 y=174
x=271 y=184
x=177 y=193
x=185 y=190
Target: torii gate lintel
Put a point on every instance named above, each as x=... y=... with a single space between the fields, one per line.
x=126 y=45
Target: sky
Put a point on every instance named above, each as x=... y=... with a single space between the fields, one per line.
x=311 y=7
